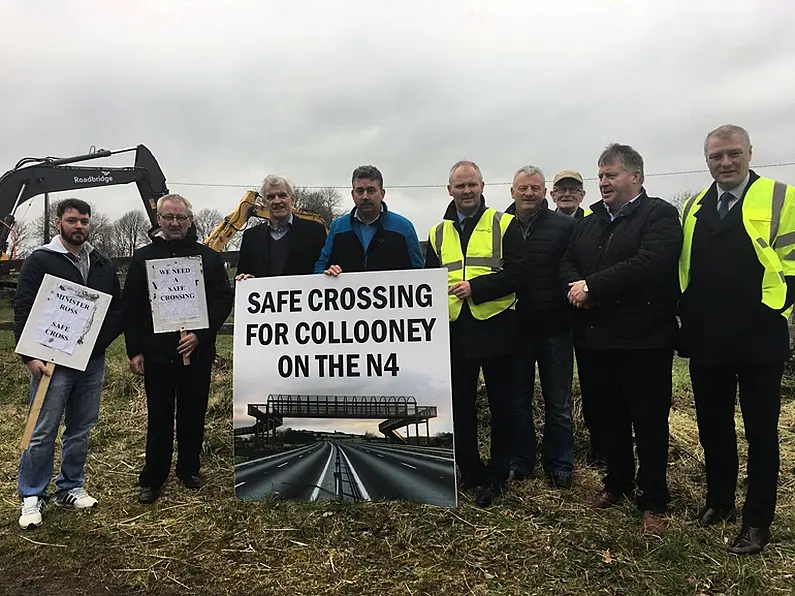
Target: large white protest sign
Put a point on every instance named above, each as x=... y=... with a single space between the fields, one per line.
x=176 y=293
x=342 y=388
x=62 y=329
x=64 y=323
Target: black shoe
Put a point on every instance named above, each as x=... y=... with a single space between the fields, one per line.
x=487 y=494
x=597 y=461
x=148 y=495
x=709 y=516
x=471 y=481
x=750 y=541
x=192 y=482
x=562 y=481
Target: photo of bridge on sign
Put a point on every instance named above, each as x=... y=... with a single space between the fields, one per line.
x=291 y=451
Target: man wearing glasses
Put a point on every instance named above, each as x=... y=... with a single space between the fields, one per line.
x=370 y=237
x=568 y=193
x=159 y=357
x=286 y=245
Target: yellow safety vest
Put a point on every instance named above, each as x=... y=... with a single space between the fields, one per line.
x=586 y=212
x=484 y=256
x=768 y=211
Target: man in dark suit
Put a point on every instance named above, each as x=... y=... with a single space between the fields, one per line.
x=738 y=282
x=285 y=245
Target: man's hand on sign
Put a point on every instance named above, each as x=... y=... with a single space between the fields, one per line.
x=461 y=290
x=187 y=344
x=243 y=276
x=37 y=368
x=333 y=270
x=137 y=364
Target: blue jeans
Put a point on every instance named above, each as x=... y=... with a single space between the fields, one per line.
x=555 y=358
x=75 y=396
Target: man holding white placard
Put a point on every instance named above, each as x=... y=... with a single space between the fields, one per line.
x=176 y=366
x=72 y=394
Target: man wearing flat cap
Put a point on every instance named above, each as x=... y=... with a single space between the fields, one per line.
x=568 y=193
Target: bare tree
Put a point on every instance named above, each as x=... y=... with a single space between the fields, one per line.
x=130 y=232
x=101 y=234
x=206 y=220
x=21 y=240
x=678 y=199
x=325 y=202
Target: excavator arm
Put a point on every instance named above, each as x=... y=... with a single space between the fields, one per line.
x=35 y=176
x=236 y=221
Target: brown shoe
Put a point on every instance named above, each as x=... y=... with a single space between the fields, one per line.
x=652 y=524
x=605 y=499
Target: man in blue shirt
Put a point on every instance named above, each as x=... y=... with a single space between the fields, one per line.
x=370 y=237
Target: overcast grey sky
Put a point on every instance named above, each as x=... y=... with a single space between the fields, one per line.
x=225 y=92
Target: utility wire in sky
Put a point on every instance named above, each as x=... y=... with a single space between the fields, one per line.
x=657 y=174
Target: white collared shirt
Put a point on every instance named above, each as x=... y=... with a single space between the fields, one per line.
x=632 y=200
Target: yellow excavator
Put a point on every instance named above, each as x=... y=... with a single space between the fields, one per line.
x=248 y=207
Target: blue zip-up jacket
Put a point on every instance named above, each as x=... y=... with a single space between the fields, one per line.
x=390 y=243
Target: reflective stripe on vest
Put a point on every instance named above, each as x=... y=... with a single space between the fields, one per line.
x=484 y=256
x=768 y=212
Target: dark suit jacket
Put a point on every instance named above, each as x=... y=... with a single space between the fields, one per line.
x=631 y=267
x=304 y=243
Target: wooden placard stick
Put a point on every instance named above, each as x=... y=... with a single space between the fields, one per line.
x=186 y=357
x=38 y=402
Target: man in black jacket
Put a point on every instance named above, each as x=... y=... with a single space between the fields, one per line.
x=284 y=245
x=621 y=267
x=72 y=395
x=159 y=357
x=482 y=302
x=544 y=332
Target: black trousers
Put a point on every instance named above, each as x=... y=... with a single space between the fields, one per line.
x=633 y=388
x=189 y=387
x=715 y=392
x=499 y=374
x=594 y=388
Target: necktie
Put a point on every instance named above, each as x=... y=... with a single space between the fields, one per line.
x=723 y=204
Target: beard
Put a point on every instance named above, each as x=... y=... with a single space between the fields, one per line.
x=75 y=238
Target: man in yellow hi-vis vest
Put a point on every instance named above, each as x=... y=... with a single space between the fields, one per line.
x=737 y=274
x=483 y=252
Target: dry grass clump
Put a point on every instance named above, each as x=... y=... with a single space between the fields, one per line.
x=534 y=541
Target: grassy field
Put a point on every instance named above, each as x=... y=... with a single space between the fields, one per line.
x=534 y=541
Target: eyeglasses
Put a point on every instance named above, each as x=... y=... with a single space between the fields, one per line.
x=571 y=190
x=172 y=217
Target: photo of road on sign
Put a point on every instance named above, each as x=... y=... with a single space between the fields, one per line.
x=342 y=388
